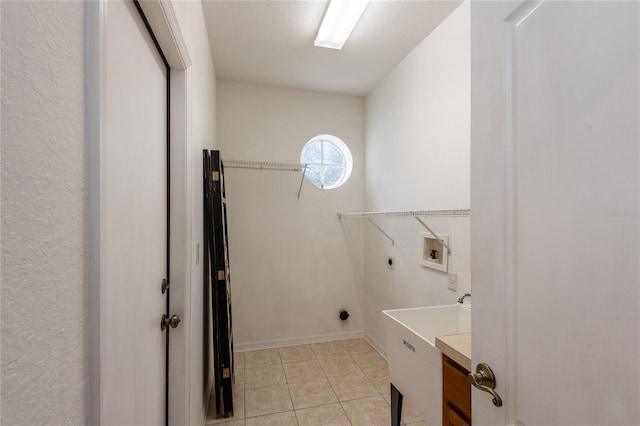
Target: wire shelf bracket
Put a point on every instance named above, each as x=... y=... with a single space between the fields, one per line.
x=417 y=214
x=268 y=165
x=380 y=229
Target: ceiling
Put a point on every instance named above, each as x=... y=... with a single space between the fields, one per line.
x=271 y=42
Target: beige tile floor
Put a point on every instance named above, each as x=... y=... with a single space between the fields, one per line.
x=330 y=384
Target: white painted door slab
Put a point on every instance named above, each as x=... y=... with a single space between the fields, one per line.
x=134 y=223
x=556 y=220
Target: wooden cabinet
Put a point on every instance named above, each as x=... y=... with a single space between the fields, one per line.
x=456 y=394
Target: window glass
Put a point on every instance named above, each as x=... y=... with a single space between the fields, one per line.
x=332 y=154
x=328 y=161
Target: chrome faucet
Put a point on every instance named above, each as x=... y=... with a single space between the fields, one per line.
x=461 y=299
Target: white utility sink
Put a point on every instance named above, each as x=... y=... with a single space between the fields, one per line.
x=415 y=365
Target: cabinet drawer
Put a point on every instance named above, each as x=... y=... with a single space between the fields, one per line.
x=451 y=418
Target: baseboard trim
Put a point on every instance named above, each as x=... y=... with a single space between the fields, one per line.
x=294 y=341
x=381 y=350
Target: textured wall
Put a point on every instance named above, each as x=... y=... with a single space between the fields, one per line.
x=294 y=265
x=417 y=158
x=43 y=295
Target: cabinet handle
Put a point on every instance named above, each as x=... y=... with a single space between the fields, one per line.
x=484 y=380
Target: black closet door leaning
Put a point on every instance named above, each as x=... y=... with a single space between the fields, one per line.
x=217 y=280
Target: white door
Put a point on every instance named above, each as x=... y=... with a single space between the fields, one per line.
x=555 y=200
x=134 y=222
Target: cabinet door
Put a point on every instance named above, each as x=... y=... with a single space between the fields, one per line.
x=456 y=390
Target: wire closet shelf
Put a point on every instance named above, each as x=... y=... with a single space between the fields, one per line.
x=417 y=214
x=264 y=165
x=268 y=165
x=407 y=213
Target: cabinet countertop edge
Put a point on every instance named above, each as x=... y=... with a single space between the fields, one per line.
x=457 y=347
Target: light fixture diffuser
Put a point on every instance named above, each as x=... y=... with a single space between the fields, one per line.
x=338 y=22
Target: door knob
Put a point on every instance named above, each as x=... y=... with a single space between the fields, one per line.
x=484 y=380
x=172 y=321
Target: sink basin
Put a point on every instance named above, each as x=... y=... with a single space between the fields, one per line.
x=415 y=365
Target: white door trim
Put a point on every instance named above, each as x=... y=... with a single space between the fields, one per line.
x=164 y=24
x=162 y=19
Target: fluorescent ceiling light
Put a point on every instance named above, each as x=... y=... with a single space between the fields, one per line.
x=338 y=22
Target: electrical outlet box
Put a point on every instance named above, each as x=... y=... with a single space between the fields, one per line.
x=453 y=281
x=390 y=262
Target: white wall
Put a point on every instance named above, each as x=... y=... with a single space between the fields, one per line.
x=203 y=136
x=43 y=208
x=294 y=265
x=417 y=158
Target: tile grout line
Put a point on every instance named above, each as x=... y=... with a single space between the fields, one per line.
x=286 y=380
x=341 y=405
x=340 y=402
x=293 y=407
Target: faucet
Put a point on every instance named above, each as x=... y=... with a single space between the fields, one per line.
x=461 y=299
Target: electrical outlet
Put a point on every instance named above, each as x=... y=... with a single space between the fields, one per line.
x=390 y=262
x=453 y=281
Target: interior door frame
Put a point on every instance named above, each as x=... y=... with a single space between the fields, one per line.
x=164 y=24
x=491 y=198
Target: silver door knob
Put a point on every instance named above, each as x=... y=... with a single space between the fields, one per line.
x=484 y=380
x=172 y=321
